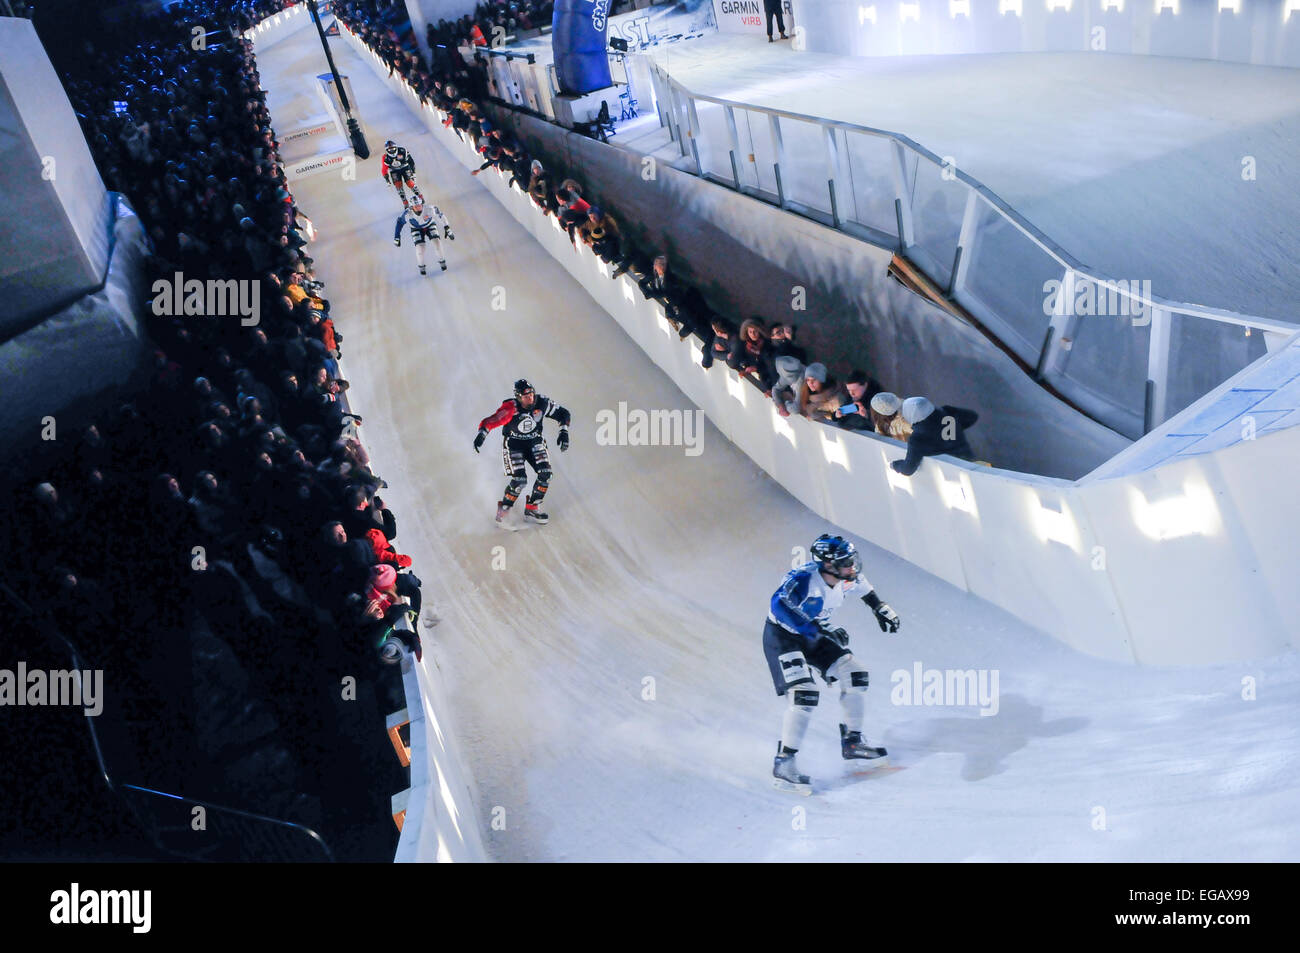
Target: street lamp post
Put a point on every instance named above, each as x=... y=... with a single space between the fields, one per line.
x=354 y=128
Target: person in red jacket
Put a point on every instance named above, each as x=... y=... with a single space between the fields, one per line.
x=520 y=418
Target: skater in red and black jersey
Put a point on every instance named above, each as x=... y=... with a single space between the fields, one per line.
x=397 y=168
x=520 y=418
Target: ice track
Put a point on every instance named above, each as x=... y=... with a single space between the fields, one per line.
x=657 y=565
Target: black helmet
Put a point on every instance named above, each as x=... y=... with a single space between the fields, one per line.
x=837 y=556
x=522 y=387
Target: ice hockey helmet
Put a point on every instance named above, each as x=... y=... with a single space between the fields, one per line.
x=837 y=556
x=522 y=387
x=391 y=147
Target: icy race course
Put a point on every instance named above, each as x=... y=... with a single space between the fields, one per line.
x=658 y=565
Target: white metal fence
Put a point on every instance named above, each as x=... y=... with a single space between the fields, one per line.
x=1126 y=357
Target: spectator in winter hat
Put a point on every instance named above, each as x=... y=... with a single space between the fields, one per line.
x=820 y=394
x=539 y=187
x=789 y=374
x=935 y=430
x=886 y=418
x=600 y=231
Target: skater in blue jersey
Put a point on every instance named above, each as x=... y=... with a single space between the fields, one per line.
x=798 y=640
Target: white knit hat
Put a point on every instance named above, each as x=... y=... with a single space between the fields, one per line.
x=916 y=409
x=886 y=404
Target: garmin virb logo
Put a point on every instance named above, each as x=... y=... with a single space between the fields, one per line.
x=99 y=907
x=599 y=11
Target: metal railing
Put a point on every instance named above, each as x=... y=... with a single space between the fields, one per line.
x=1137 y=361
x=227 y=834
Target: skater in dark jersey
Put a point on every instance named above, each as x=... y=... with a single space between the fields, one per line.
x=520 y=418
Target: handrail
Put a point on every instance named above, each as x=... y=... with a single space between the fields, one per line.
x=316 y=845
x=149 y=822
x=1030 y=231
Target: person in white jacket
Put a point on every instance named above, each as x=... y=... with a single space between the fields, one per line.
x=425 y=221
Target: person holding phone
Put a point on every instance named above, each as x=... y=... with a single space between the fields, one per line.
x=854 y=413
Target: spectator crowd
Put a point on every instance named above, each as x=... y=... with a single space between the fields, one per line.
x=235 y=476
x=765 y=352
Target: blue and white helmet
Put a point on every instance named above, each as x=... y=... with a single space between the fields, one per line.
x=837 y=556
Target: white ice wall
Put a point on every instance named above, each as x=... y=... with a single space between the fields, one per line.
x=276 y=27
x=1264 y=32
x=56 y=215
x=1186 y=563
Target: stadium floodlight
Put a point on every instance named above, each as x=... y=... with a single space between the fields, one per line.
x=1290 y=7
x=1010 y=6
x=1116 y=5
x=909 y=11
x=866 y=13
x=959 y=7
x=1162 y=5
x=1059 y=5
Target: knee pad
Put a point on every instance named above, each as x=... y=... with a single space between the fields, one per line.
x=544 y=476
x=805 y=698
x=850 y=674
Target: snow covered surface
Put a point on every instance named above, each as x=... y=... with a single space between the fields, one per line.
x=658 y=564
x=1133 y=164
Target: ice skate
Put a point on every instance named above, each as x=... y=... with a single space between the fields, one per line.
x=533 y=513
x=502 y=510
x=442 y=264
x=854 y=747
x=786 y=776
x=422 y=270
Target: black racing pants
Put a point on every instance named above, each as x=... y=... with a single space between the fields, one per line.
x=517 y=455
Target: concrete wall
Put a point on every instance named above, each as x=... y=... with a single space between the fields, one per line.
x=1186 y=563
x=1259 y=31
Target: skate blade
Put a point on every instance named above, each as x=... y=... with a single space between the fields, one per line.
x=858 y=768
x=783 y=785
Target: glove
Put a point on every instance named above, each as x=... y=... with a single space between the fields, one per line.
x=398 y=241
x=888 y=618
x=478 y=441
x=839 y=636
x=446 y=233
x=563 y=441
